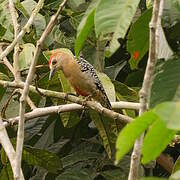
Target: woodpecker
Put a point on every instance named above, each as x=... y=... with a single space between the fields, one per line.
x=81 y=75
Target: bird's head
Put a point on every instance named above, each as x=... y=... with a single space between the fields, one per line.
x=56 y=62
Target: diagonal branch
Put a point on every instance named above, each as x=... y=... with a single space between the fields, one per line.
x=20 y=134
x=7 y=63
x=146 y=87
x=7 y=145
x=23 y=31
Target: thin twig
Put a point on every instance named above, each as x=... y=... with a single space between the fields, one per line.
x=6 y=144
x=20 y=134
x=146 y=87
x=23 y=31
x=7 y=63
x=14 y=15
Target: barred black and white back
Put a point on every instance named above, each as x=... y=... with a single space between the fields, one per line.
x=88 y=68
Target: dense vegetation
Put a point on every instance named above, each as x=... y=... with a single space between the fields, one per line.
x=114 y=38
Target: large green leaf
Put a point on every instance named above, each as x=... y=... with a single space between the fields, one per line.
x=125 y=93
x=138 y=38
x=114 y=17
x=156 y=140
x=107 y=128
x=85 y=26
x=177 y=165
x=67 y=89
x=6 y=172
x=76 y=174
x=2 y=31
x=39 y=21
x=166 y=84
x=108 y=86
x=2 y=89
x=26 y=56
x=131 y=132
x=152 y=178
x=78 y=156
x=169 y=112
x=42 y=158
x=6 y=21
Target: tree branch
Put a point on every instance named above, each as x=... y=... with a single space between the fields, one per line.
x=7 y=63
x=20 y=134
x=146 y=87
x=14 y=15
x=6 y=144
x=39 y=112
x=23 y=31
x=91 y=104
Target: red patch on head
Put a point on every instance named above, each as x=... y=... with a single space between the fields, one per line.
x=51 y=57
x=136 y=55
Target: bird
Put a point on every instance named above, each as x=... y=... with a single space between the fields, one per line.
x=81 y=75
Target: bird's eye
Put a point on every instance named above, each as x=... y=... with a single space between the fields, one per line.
x=54 y=62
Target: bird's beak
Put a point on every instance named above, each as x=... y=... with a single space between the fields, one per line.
x=52 y=71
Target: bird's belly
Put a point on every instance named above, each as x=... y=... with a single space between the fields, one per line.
x=83 y=86
x=81 y=92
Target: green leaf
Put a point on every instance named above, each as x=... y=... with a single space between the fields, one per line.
x=39 y=21
x=76 y=174
x=171 y=12
x=156 y=140
x=113 y=71
x=114 y=17
x=114 y=174
x=131 y=132
x=78 y=156
x=2 y=89
x=42 y=158
x=107 y=128
x=6 y=172
x=48 y=136
x=26 y=56
x=85 y=26
x=175 y=176
x=21 y=8
x=74 y=4
x=6 y=21
x=169 y=112
x=164 y=50
x=166 y=84
x=138 y=38
x=152 y=178
x=108 y=86
x=70 y=120
x=177 y=165
x=124 y=92
x=2 y=31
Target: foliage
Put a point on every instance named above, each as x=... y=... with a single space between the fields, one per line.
x=114 y=37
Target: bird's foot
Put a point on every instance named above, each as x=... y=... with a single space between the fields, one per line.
x=68 y=94
x=87 y=98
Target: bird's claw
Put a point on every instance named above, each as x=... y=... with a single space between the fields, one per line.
x=68 y=94
x=87 y=98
